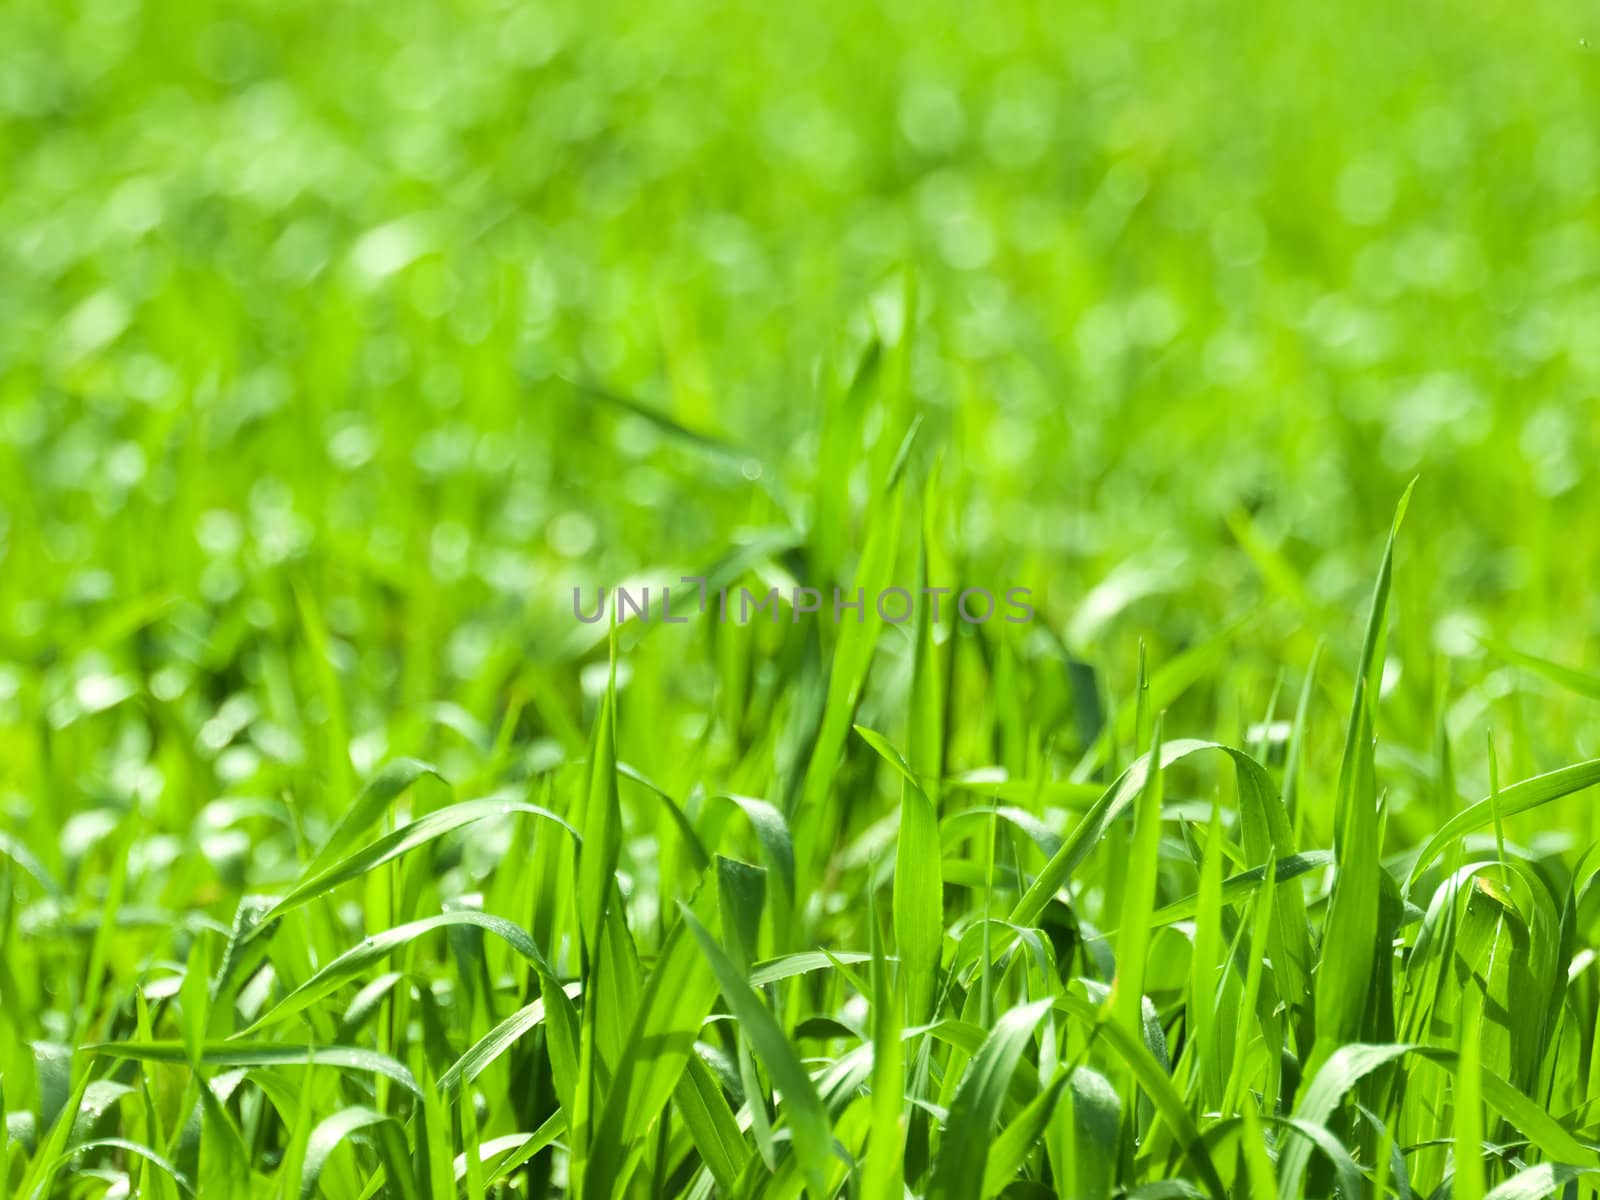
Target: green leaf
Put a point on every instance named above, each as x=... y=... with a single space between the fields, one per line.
x=385 y=1131
x=393 y=780
x=1140 y=870
x=1153 y=1079
x=787 y=966
x=711 y=1124
x=1096 y=1130
x=195 y=996
x=1370 y=669
x=802 y=1107
x=379 y=946
x=1259 y=953
x=699 y=859
x=1581 y=682
x=918 y=885
x=1022 y=1137
x=402 y=841
x=516 y=1149
x=1347 y=1065
x=1349 y=938
x=1469 y=1175
x=1535 y=1183
x=1086 y=835
x=716 y=450
x=772 y=832
x=741 y=895
x=883 y=1175
x=964 y=1153
x=602 y=818
x=925 y=740
x=263 y=1054
x=1518 y=798
x=677 y=998
x=1237 y=888
x=148 y=1155
x=853 y=653
x=492 y=1045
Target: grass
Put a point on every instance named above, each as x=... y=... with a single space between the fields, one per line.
x=339 y=344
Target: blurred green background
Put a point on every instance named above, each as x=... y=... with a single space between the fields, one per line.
x=294 y=296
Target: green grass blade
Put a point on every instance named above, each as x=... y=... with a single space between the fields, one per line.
x=1469 y=1173
x=711 y=1124
x=497 y=1042
x=1583 y=683
x=602 y=818
x=964 y=1152
x=1237 y=888
x=379 y=946
x=918 y=899
x=853 y=653
x=1010 y=1150
x=802 y=1107
x=333 y=1131
x=263 y=1054
x=402 y=841
x=1153 y=1079
x=677 y=999
x=1546 y=1179
x=391 y=782
x=1348 y=952
x=1138 y=898
x=517 y=1148
x=1520 y=797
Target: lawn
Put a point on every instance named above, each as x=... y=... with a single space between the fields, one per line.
x=357 y=840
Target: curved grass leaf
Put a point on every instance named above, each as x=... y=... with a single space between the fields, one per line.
x=802 y=1107
x=1581 y=682
x=392 y=781
x=699 y=858
x=1240 y=887
x=1348 y=1065
x=772 y=832
x=1518 y=798
x=964 y=1153
x=513 y=1149
x=1345 y=1170
x=380 y=946
x=402 y=841
x=495 y=1043
x=1535 y=1183
x=1267 y=830
x=161 y=1163
x=602 y=817
x=803 y=963
x=333 y=1131
x=1155 y=1082
x=264 y=1054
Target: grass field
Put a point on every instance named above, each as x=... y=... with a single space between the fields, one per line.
x=341 y=343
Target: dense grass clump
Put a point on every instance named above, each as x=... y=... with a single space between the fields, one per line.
x=340 y=345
